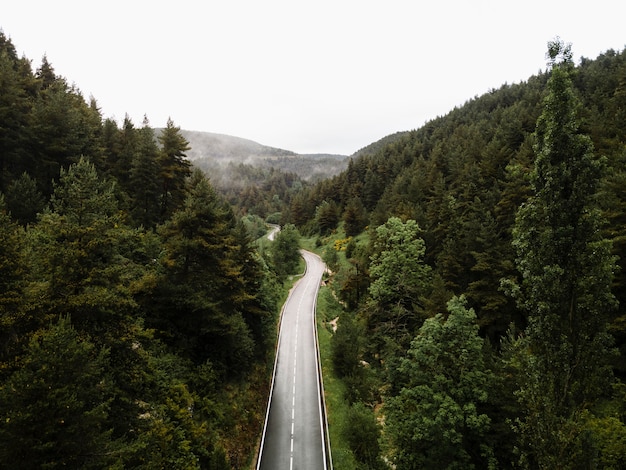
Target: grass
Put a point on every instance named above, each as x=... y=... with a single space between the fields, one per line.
x=328 y=308
x=334 y=390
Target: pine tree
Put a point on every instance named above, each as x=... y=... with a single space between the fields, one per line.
x=12 y=276
x=200 y=303
x=54 y=408
x=144 y=180
x=82 y=254
x=285 y=251
x=173 y=169
x=24 y=200
x=567 y=270
x=15 y=108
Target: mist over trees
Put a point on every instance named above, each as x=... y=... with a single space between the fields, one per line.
x=479 y=261
x=137 y=320
x=491 y=332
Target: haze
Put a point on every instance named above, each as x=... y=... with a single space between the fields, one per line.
x=311 y=77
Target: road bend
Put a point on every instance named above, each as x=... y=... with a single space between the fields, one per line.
x=294 y=434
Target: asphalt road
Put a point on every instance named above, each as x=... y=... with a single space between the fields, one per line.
x=274 y=229
x=294 y=435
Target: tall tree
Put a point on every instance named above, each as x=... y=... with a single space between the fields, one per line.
x=11 y=282
x=24 y=199
x=15 y=107
x=567 y=270
x=144 y=179
x=55 y=406
x=285 y=251
x=400 y=282
x=203 y=290
x=174 y=168
x=82 y=254
x=435 y=420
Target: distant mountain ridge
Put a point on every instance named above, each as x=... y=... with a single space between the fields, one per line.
x=209 y=150
x=225 y=148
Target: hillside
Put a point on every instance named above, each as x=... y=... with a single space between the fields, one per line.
x=481 y=260
x=462 y=177
x=210 y=151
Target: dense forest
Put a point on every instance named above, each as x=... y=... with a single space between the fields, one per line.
x=478 y=264
x=137 y=316
x=481 y=264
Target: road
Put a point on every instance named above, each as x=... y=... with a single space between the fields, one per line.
x=294 y=434
x=274 y=229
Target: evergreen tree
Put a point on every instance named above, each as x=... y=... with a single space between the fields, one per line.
x=12 y=277
x=82 y=256
x=54 y=407
x=285 y=251
x=354 y=217
x=15 y=108
x=24 y=200
x=200 y=306
x=144 y=179
x=567 y=270
x=173 y=169
x=327 y=217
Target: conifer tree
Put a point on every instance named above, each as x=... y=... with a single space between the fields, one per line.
x=567 y=270
x=144 y=179
x=54 y=408
x=173 y=169
x=286 y=251
x=202 y=292
x=24 y=199
x=15 y=107
x=11 y=282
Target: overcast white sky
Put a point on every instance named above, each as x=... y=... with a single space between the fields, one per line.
x=309 y=76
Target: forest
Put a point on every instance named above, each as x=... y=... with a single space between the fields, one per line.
x=478 y=268
x=137 y=315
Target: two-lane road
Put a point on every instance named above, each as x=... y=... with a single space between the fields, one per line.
x=294 y=434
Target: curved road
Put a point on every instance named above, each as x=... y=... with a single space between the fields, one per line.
x=294 y=434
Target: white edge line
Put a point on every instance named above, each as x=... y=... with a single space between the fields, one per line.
x=269 y=399
x=320 y=382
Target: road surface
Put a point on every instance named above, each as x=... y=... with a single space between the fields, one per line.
x=294 y=434
x=274 y=229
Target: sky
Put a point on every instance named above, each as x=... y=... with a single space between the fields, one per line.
x=322 y=76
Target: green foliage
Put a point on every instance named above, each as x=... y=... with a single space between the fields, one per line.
x=362 y=432
x=173 y=168
x=124 y=343
x=285 y=251
x=346 y=347
x=326 y=217
x=24 y=199
x=567 y=271
x=203 y=295
x=435 y=420
x=54 y=407
x=12 y=283
x=143 y=180
x=354 y=217
x=400 y=281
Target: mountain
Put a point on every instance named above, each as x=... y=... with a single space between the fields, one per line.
x=210 y=150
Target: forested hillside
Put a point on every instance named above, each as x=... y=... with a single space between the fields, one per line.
x=478 y=265
x=481 y=263
x=137 y=320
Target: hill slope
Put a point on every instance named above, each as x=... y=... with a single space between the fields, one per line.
x=210 y=151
